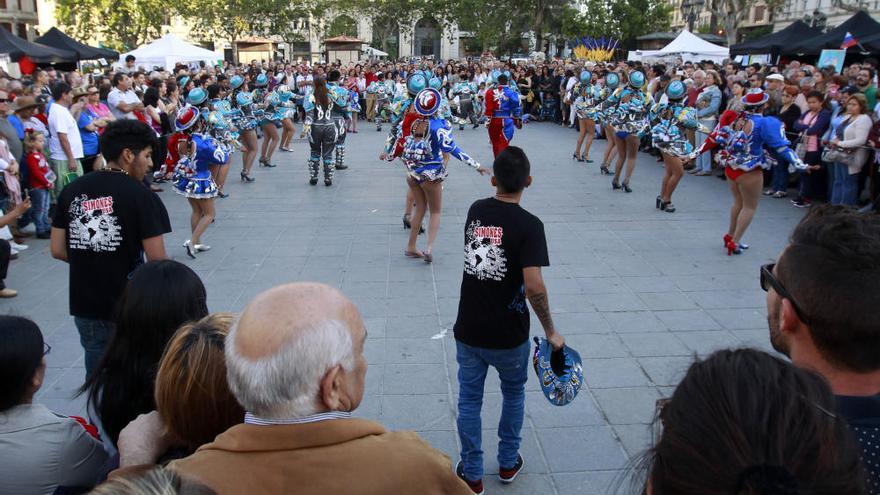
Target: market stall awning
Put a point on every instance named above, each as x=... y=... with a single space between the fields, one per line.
x=16 y=48
x=779 y=42
x=57 y=39
x=861 y=26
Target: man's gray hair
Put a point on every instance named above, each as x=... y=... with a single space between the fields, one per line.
x=286 y=383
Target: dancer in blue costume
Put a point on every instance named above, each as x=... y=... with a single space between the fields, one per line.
x=673 y=116
x=630 y=122
x=284 y=112
x=743 y=139
x=322 y=127
x=340 y=114
x=600 y=113
x=242 y=101
x=422 y=151
x=465 y=91
x=402 y=117
x=192 y=175
x=384 y=90
x=504 y=112
x=267 y=101
x=582 y=99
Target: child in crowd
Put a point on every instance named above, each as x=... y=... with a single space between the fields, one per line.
x=41 y=181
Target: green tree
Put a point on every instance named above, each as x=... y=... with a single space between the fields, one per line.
x=342 y=25
x=731 y=13
x=230 y=19
x=638 y=17
x=495 y=28
x=119 y=24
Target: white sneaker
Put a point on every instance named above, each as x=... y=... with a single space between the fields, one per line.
x=31 y=228
x=12 y=250
x=202 y=247
x=17 y=246
x=5 y=233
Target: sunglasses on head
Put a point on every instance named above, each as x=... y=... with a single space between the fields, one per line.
x=768 y=281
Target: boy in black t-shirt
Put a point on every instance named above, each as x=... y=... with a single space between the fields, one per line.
x=505 y=249
x=105 y=223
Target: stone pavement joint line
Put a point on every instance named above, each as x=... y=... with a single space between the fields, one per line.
x=636 y=291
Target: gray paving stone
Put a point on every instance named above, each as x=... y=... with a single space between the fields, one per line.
x=614 y=373
x=666 y=370
x=597 y=445
x=688 y=320
x=588 y=483
x=623 y=406
x=654 y=344
x=636 y=291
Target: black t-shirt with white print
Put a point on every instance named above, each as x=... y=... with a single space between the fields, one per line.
x=500 y=239
x=106 y=216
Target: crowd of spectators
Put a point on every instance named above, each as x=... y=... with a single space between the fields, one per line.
x=261 y=402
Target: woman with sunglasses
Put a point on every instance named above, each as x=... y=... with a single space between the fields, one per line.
x=40 y=451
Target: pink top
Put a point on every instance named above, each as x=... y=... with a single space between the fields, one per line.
x=100 y=109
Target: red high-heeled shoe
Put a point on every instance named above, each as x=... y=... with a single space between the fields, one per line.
x=727 y=238
x=732 y=248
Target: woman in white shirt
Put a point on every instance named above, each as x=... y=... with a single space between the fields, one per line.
x=850 y=137
x=40 y=451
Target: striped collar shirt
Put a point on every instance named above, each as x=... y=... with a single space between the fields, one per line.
x=251 y=419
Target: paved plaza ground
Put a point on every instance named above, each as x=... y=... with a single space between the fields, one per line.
x=636 y=291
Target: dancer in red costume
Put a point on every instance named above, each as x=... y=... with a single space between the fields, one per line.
x=503 y=111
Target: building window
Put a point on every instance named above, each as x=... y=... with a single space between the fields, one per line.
x=22 y=31
x=759 y=13
x=2 y=4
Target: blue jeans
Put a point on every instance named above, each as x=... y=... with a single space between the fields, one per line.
x=94 y=335
x=40 y=208
x=845 y=186
x=780 y=177
x=512 y=366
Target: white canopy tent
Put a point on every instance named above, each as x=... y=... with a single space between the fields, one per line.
x=688 y=46
x=373 y=52
x=170 y=50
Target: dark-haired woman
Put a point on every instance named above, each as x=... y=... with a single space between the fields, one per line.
x=746 y=423
x=322 y=131
x=40 y=452
x=160 y=297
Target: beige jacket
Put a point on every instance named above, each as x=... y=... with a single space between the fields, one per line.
x=855 y=136
x=350 y=456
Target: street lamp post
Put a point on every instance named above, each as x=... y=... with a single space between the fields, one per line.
x=690 y=10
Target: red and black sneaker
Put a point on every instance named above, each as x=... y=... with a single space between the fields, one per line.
x=475 y=486
x=508 y=475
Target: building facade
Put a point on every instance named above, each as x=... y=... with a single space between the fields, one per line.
x=19 y=17
x=823 y=13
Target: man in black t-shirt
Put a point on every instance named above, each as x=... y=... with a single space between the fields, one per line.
x=822 y=298
x=505 y=249
x=104 y=225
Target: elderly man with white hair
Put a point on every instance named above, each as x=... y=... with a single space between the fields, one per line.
x=295 y=363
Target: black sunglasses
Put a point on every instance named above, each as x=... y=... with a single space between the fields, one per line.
x=769 y=280
x=5 y=100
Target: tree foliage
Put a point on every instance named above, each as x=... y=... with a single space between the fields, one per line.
x=731 y=13
x=122 y=24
